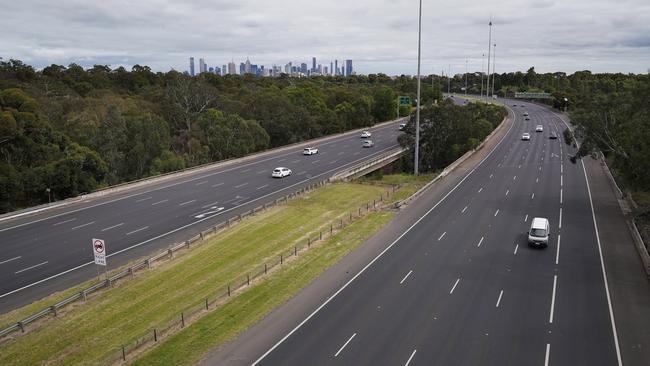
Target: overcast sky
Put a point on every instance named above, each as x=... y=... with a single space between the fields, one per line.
x=379 y=35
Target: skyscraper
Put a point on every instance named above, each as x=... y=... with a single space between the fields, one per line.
x=336 y=67
x=232 y=70
x=303 y=68
x=224 y=70
x=331 y=67
x=202 y=66
x=247 y=67
x=313 y=64
x=192 y=66
x=348 y=67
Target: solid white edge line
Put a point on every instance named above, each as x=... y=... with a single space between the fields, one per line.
x=454 y=287
x=410 y=358
x=28 y=268
x=557 y=254
x=185 y=226
x=548 y=354
x=550 y=317
x=405 y=277
x=313 y=313
x=499 y=300
x=345 y=344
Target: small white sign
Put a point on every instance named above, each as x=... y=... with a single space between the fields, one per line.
x=99 y=249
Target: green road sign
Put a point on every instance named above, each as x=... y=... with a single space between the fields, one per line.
x=404 y=100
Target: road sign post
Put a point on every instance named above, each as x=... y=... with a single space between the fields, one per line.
x=99 y=251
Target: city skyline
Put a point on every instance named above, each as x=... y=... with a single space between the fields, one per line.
x=290 y=68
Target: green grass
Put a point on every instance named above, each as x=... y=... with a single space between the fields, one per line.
x=408 y=183
x=192 y=343
x=155 y=297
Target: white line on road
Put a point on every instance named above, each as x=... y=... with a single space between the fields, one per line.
x=491 y=175
x=480 y=189
x=559 y=226
x=514 y=178
x=341 y=153
x=295 y=161
x=200 y=183
x=405 y=277
x=536 y=180
x=82 y=225
x=519 y=167
x=454 y=287
x=186 y=203
x=463 y=211
x=28 y=268
x=557 y=255
x=526 y=218
x=135 y=231
x=441 y=236
x=63 y=222
x=159 y=202
x=241 y=185
x=561 y=168
x=264 y=186
x=249 y=169
x=301 y=173
x=561 y=180
x=113 y=227
x=143 y=199
x=480 y=241
x=315 y=161
x=499 y=300
x=508 y=191
x=532 y=196
x=11 y=259
x=548 y=354
x=550 y=317
x=516 y=247
x=281 y=160
x=216 y=185
x=345 y=344
x=262 y=171
x=560 y=195
x=410 y=358
x=496 y=213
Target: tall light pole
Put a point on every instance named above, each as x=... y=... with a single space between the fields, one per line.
x=482 y=72
x=417 y=111
x=449 y=81
x=494 y=65
x=466 y=76
x=487 y=85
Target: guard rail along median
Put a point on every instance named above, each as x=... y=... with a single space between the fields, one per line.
x=385 y=158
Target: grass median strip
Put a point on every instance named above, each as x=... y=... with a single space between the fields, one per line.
x=156 y=297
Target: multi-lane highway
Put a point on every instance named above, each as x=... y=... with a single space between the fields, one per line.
x=459 y=285
x=51 y=250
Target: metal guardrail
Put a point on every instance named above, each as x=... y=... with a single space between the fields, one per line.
x=391 y=154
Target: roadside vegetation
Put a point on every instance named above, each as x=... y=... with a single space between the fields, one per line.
x=156 y=297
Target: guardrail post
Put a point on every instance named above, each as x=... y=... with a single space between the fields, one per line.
x=248 y=279
x=373 y=204
x=155 y=335
x=214 y=229
x=367 y=206
x=341 y=223
x=22 y=327
x=308 y=242
x=83 y=294
x=228 y=223
x=170 y=253
x=295 y=250
x=239 y=217
x=265 y=268
x=182 y=320
x=350 y=216
x=123 y=354
x=131 y=271
x=201 y=235
x=331 y=229
x=281 y=259
x=148 y=262
x=187 y=244
x=321 y=235
x=53 y=309
x=228 y=290
x=206 y=303
x=109 y=283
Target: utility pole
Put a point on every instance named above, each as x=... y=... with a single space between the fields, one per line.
x=466 y=76
x=482 y=72
x=487 y=85
x=449 y=81
x=494 y=65
x=417 y=111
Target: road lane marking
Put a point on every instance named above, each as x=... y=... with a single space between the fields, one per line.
x=241 y=185
x=548 y=354
x=441 y=236
x=344 y=344
x=480 y=189
x=113 y=227
x=499 y=300
x=514 y=178
x=410 y=358
x=454 y=287
x=249 y=169
x=508 y=191
x=561 y=168
x=64 y=222
x=295 y=161
x=143 y=199
x=491 y=175
x=557 y=255
x=186 y=203
x=301 y=173
x=463 y=211
x=561 y=180
x=82 y=225
x=526 y=218
x=560 y=195
x=315 y=161
x=28 y=268
x=536 y=180
x=281 y=160
x=496 y=213
x=137 y=230
x=262 y=171
x=550 y=317
x=216 y=185
x=264 y=186
x=519 y=167
x=159 y=202
x=341 y=153
x=480 y=241
x=405 y=277
x=516 y=247
x=532 y=196
x=200 y=183
x=11 y=259
x=559 y=226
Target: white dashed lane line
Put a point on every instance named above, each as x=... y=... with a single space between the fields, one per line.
x=216 y=185
x=137 y=230
x=410 y=358
x=28 y=268
x=82 y=225
x=454 y=286
x=499 y=300
x=480 y=241
x=112 y=227
x=159 y=202
x=64 y=222
x=10 y=259
x=442 y=236
x=264 y=186
x=143 y=199
x=345 y=344
x=241 y=185
x=186 y=203
x=463 y=211
x=201 y=183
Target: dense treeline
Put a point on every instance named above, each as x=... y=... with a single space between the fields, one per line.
x=68 y=130
x=447 y=131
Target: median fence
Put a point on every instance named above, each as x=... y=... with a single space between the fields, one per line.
x=220 y=295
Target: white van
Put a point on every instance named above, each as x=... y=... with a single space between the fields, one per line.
x=539 y=232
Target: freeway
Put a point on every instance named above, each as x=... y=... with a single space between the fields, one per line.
x=458 y=285
x=51 y=250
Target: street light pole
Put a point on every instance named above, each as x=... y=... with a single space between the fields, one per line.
x=494 y=65
x=482 y=72
x=417 y=111
x=466 y=76
x=449 y=81
x=487 y=85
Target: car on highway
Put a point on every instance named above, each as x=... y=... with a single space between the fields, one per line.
x=368 y=143
x=402 y=126
x=310 y=151
x=527 y=118
x=539 y=128
x=552 y=135
x=281 y=172
x=523 y=105
x=525 y=136
x=525 y=114
x=539 y=232
x=514 y=105
x=365 y=134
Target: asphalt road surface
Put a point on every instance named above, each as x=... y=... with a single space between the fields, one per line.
x=50 y=251
x=460 y=286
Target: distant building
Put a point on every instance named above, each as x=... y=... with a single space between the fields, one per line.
x=211 y=70
x=303 y=68
x=192 y=66
x=331 y=67
x=325 y=70
x=224 y=70
x=247 y=67
x=202 y=66
x=242 y=68
x=313 y=64
x=336 y=67
x=232 y=69
x=348 y=68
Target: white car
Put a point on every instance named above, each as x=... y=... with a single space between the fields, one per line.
x=401 y=126
x=525 y=136
x=310 y=151
x=365 y=134
x=525 y=114
x=368 y=143
x=539 y=128
x=539 y=232
x=281 y=172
